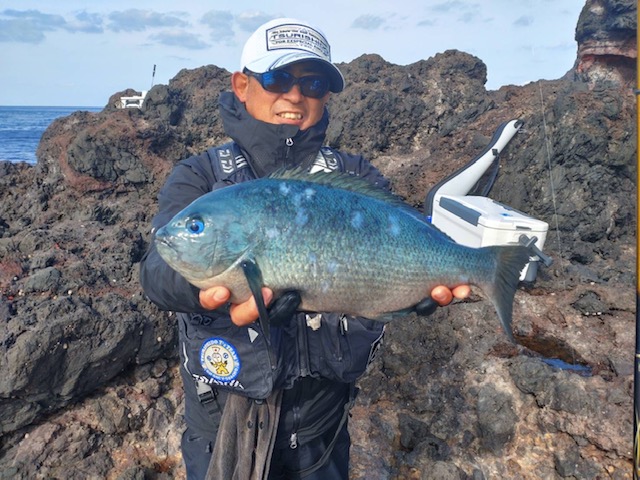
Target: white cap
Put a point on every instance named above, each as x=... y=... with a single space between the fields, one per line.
x=285 y=41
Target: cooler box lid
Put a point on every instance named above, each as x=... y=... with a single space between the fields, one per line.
x=490 y=214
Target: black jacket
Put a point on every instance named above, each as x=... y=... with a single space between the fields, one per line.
x=340 y=349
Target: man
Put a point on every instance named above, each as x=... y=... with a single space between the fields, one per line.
x=277 y=118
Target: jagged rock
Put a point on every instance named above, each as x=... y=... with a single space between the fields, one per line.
x=90 y=385
x=606 y=36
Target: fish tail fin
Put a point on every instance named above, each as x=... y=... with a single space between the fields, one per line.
x=501 y=288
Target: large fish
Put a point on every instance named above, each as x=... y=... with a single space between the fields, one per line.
x=344 y=245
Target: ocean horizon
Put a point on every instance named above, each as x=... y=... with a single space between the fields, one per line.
x=22 y=126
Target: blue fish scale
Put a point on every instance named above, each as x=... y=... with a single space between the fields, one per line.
x=345 y=251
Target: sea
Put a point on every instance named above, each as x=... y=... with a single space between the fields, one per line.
x=22 y=127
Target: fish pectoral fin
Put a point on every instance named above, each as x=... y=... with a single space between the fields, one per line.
x=254 y=279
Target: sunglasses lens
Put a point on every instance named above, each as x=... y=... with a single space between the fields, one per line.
x=278 y=81
x=314 y=86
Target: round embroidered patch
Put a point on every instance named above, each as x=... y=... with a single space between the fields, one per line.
x=220 y=360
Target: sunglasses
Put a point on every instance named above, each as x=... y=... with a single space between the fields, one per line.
x=281 y=81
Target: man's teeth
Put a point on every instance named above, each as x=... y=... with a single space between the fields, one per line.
x=291 y=116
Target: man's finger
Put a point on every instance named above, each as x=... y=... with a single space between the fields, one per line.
x=462 y=291
x=442 y=295
x=214 y=297
x=245 y=313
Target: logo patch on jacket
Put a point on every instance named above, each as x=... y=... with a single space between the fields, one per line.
x=220 y=360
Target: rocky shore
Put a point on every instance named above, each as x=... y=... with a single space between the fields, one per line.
x=90 y=386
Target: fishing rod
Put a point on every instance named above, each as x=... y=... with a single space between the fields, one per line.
x=636 y=374
x=153 y=75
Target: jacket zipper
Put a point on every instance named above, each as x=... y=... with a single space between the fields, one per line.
x=303 y=348
x=289 y=143
x=303 y=362
x=293 y=439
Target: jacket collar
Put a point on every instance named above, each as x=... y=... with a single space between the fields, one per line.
x=269 y=147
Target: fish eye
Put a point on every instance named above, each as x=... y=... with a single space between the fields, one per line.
x=195 y=225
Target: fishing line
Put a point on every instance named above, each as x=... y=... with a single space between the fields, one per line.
x=553 y=196
x=551 y=185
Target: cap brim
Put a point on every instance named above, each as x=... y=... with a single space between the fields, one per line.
x=277 y=60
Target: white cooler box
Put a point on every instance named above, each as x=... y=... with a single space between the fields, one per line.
x=480 y=222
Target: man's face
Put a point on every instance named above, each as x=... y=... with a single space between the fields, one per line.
x=290 y=108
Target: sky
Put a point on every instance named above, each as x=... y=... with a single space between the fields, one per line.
x=80 y=52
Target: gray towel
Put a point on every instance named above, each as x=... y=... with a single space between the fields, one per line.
x=245 y=439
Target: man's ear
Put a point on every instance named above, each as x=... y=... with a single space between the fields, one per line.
x=240 y=84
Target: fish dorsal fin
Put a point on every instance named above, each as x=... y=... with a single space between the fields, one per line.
x=342 y=180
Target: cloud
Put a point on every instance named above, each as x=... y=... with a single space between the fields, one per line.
x=28 y=26
x=221 y=25
x=31 y=26
x=180 y=39
x=524 y=21
x=134 y=20
x=85 y=23
x=467 y=12
x=426 y=23
x=450 y=6
x=250 y=21
x=368 y=22
x=43 y=20
x=19 y=31
x=467 y=17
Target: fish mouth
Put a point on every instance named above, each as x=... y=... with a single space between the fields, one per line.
x=164 y=244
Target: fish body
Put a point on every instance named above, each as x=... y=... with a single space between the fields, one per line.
x=346 y=246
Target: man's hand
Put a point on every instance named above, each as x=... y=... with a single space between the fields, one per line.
x=441 y=296
x=247 y=312
x=242 y=313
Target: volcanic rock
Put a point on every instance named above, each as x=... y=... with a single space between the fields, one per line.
x=90 y=385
